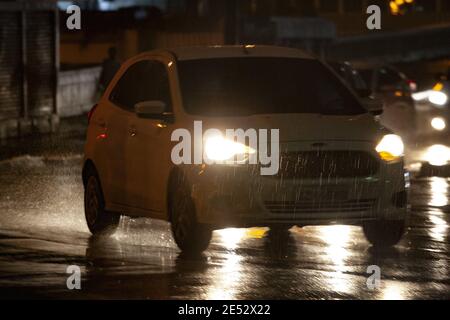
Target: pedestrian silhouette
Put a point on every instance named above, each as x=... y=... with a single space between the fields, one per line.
x=109 y=68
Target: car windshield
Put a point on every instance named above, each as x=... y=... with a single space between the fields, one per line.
x=254 y=85
x=350 y=75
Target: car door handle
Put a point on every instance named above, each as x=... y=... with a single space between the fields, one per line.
x=132 y=132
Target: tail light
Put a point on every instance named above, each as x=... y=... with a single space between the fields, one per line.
x=412 y=85
x=91 y=112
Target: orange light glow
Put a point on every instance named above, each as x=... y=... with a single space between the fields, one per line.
x=438 y=86
x=394 y=8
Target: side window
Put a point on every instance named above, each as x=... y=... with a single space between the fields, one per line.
x=155 y=84
x=125 y=92
x=144 y=81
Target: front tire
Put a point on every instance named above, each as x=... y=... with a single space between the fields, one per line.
x=384 y=233
x=97 y=218
x=190 y=235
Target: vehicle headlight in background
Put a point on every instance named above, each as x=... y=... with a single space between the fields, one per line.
x=438 y=155
x=438 y=123
x=390 y=148
x=217 y=148
x=437 y=97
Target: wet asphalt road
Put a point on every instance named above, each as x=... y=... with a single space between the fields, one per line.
x=42 y=232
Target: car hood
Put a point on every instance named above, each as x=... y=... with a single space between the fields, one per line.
x=305 y=127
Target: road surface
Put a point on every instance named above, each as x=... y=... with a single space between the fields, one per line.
x=42 y=232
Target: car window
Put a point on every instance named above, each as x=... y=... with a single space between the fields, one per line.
x=143 y=81
x=351 y=76
x=124 y=92
x=358 y=82
x=259 y=85
x=156 y=84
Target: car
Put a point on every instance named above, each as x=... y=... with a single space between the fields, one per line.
x=335 y=163
x=433 y=108
x=351 y=76
x=389 y=84
x=355 y=81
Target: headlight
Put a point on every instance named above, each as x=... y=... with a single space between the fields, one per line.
x=438 y=123
x=220 y=149
x=390 y=148
x=438 y=155
x=438 y=98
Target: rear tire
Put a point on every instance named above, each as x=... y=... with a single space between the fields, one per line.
x=384 y=233
x=190 y=235
x=97 y=218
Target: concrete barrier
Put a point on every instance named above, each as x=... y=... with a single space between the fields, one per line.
x=77 y=91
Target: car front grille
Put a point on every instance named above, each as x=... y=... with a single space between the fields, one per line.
x=319 y=206
x=327 y=164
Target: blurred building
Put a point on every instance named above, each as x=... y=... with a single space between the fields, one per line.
x=137 y=25
x=29 y=62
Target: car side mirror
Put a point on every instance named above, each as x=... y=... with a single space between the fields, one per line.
x=153 y=109
x=149 y=109
x=373 y=105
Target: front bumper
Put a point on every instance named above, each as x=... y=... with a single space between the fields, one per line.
x=237 y=196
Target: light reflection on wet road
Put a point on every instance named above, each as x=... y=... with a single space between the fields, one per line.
x=42 y=231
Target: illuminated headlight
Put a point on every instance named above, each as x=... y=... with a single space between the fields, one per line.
x=438 y=155
x=438 y=124
x=219 y=149
x=390 y=148
x=437 y=97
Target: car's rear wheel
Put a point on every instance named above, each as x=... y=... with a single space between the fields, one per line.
x=190 y=235
x=384 y=233
x=97 y=218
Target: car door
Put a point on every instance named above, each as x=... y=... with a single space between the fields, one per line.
x=149 y=143
x=121 y=105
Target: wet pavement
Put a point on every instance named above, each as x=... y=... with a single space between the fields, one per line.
x=42 y=232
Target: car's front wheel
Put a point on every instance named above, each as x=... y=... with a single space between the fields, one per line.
x=97 y=218
x=384 y=233
x=190 y=235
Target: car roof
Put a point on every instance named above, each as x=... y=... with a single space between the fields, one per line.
x=227 y=51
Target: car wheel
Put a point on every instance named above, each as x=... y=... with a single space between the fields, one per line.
x=97 y=218
x=384 y=233
x=189 y=235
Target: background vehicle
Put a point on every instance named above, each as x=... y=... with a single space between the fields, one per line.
x=352 y=77
x=432 y=105
x=395 y=89
x=336 y=164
